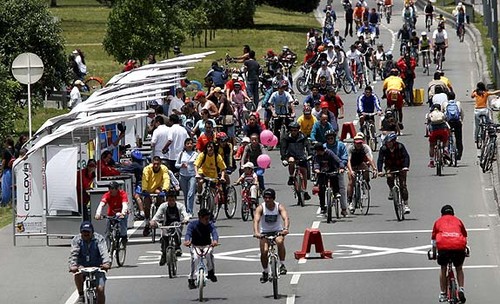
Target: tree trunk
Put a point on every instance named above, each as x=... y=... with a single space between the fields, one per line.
x=206 y=37
x=53 y=3
x=211 y=33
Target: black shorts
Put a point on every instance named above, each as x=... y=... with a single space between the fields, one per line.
x=456 y=256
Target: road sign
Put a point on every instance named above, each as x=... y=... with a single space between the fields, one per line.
x=27 y=68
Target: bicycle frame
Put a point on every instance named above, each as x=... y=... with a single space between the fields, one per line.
x=396 y=195
x=90 y=283
x=273 y=261
x=438 y=157
x=169 y=248
x=201 y=274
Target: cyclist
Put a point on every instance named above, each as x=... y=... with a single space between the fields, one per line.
x=374 y=21
x=404 y=35
x=201 y=232
x=117 y=201
x=480 y=95
x=209 y=163
x=306 y=121
x=342 y=65
x=294 y=146
x=169 y=213
x=367 y=103
x=424 y=45
x=433 y=84
x=429 y=11
x=389 y=124
x=441 y=21
x=326 y=161
x=408 y=16
x=449 y=237
x=270 y=211
x=208 y=135
x=438 y=129
x=446 y=81
x=320 y=128
x=339 y=148
x=358 y=15
x=360 y=157
x=249 y=176
x=354 y=58
x=393 y=89
x=280 y=103
x=455 y=116
x=414 y=43
x=367 y=28
x=378 y=59
x=88 y=249
x=324 y=71
x=313 y=97
x=393 y=156
x=439 y=41
x=389 y=65
x=406 y=66
x=461 y=19
x=251 y=153
x=155 y=179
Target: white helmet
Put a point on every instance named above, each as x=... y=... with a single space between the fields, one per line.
x=424 y=33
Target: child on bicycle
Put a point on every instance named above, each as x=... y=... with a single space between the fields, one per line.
x=438 y=130
x=449 y=237
x=250 y=177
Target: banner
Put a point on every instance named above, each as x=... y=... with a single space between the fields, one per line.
x=61 y=178
x=30 y=190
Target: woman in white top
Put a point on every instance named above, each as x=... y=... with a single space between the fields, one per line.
x=187 y=174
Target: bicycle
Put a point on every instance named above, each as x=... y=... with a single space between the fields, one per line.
x=247 y=206
x=369 y=130
x=439 y=58
x=213 y=197
x=452 y=148
x=306 y=80
x=156 y=200
x=341 y=82
x=399 y=206
x=273 y=259
x=461 y=32
x=285 y=119
x=428 y=21
x=489 y=150
x=439 y=157
x=298 y=186
x=483 y=123
x=361 y=192
x=451 y=282
x=425 y=61
x=201 y=274
x=116 y=246
x=169 y=247
x=332 y=198
x=90 y=284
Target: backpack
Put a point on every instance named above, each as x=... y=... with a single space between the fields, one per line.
x=437 y=117
x=452 y=111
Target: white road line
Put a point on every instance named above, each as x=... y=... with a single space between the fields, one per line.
x=311 y=272
x=72 y=299
x=315 y=224
x=353 y=233
x=295 y=279
x=290 y=299
x=318 y=211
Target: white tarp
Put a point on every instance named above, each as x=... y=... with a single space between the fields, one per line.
x=61 y=192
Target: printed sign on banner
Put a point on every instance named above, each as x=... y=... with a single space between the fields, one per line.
x=30 y=179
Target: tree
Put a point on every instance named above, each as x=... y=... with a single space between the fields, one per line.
x=9 y=110
x=242 y=13
x=137 y=28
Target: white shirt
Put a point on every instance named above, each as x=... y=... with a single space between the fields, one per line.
x=160 y=139
x=177 y=134
x=440 y=99
x=356 y=55
x=81 y=66
x=74 y=97
x=438 y=37
x=271 y=219
x=176 y=103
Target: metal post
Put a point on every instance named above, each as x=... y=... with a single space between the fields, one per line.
x=494 y=39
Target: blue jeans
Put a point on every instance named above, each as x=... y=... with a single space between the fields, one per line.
x=260 y=177
x=188 y=186
x=253 y=91
x=123 y=226
x=6 y=187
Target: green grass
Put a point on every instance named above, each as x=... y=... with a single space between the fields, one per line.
x=39 y=116
x=5 y=216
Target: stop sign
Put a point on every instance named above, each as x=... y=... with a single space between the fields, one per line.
x=27 y=68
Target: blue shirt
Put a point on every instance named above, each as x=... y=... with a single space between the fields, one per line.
x=340 y=150
x=280 y=102
x=369 y=104
x=199 y=234
x=318 y=131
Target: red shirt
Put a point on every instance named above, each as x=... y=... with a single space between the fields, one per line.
x=115 y=203
x=334 y=104
x=401 y=64
x=107 y=170
x=449 y=233
x=309 y=56
x=230 y=85
x=202 y=142
x=86 y=182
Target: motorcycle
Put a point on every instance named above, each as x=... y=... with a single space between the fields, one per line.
x=306 y=80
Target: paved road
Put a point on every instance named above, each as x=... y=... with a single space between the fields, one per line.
x=376 y=259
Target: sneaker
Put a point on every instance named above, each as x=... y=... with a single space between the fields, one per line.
x=461 y=295
x=343 y=212
x=390 y=196
x=163 y=259
x=307 y=196
x=431 y=164
x=191 y=284
x=211 y=276
x=351 y=207
x=264 y=278
x=442 y=297
x=283 y=269
x=407 y=209
x=323 y=210
x=146 y=231
x=80 y=300
x=290 y=181
x=444 y=59
x=178 y=252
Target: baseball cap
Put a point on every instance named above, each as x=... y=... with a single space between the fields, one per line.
x=86 y=226
x=234 y=76
x=248 y=165
x=217 y=90
x=199 y=95
x=359 y=138
x=324 y=104
x=245 y=139
x=113 y=185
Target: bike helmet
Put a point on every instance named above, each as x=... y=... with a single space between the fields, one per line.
x=390 y=137
x=293 y=125
x=285 y=48
x=423 y=33
x=222 y=136
x=447 y=209
x=394 y=72
x=330 y=133
x=136 y=154
x=435 y=106
x=237 y=84
x=269 y=192
x=389 y=55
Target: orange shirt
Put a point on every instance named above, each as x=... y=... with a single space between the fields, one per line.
x=359 y=12
x=481 y=100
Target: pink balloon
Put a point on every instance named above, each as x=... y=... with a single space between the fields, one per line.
x=264 y=161
x=266 y=137
x=274 y=142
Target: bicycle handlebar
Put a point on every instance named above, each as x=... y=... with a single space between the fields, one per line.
x=87 y=270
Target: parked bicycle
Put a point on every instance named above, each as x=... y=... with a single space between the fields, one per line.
x=116 y=245
x=361 y=195
x=489 y=148
x=169 y=247
x=273 y=262
x=90 y=284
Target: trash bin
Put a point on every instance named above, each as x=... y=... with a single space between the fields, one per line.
x=469 y=12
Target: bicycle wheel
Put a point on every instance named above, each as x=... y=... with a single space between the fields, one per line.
x=153 y=230
x=357 y=196
x=299 y=193
x=438 y=160
x=90 y=296
x=253 y=206
x=452 y=289
x=245 y=210
x=396 y=198
x=346 y=85
x=171 y=262
x=336 y=205
x=215 y=206
x=231 y=202
x=201 y=283
x=329 y=202
x=274 y=276
x=302 y=86
x=487 y=160
x=121 y=252
x=373 y=138
x=365 y=197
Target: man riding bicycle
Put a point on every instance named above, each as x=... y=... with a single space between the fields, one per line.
x=439 y=41
x=438 y=130
x=424 y=46
x=449 y=237
x=429 y=11
x=271 y=211
x=393 y=89
x=394 y=157
x=169 y=213
x=326 y=161
x=367 y=103
x=88 y=249
x=117 y=201
x=210 y=164
x=281 y=103
x=294 y=146
x=339 y=148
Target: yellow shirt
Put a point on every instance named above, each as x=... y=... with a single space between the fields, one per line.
x=306 y=124
x=208 y=167
x=393 y=83
x=446 y=81
x=152 y=181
